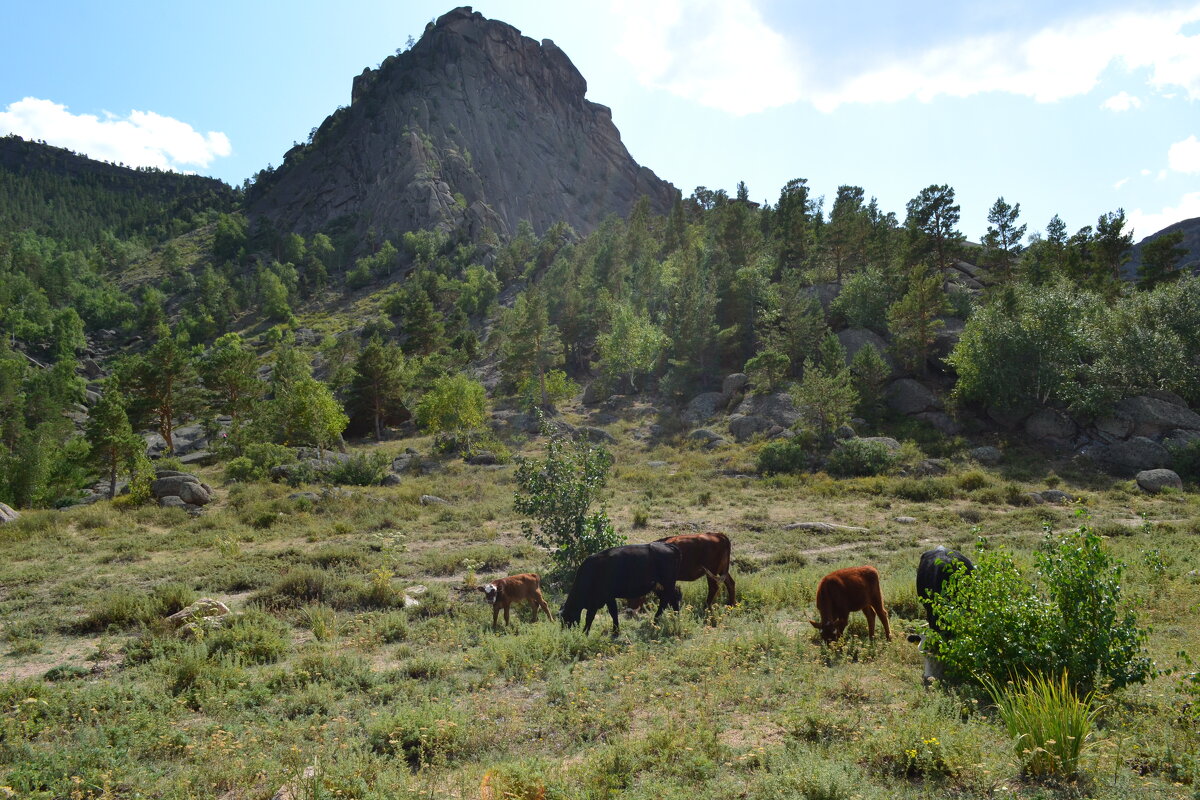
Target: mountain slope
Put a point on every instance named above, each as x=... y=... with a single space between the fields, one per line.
x=55 y=192
x=475 y=127
x=1191 y=242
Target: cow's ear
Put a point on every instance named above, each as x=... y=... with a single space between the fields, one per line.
x=816 y=625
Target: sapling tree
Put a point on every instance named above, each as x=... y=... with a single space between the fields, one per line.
x=558 y=492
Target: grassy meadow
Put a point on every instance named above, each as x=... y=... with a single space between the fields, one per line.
x=326 y=686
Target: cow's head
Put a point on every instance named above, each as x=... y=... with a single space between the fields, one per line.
x=830 y=630
x=569 y=614
x=489 y=592
x=935 y=670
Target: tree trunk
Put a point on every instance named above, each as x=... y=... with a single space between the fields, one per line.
x=112 y=477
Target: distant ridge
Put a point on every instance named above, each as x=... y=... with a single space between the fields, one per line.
x=476 y=127
x=1191 y=243
x=55 y=192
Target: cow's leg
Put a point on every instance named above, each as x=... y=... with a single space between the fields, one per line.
x=615 y=613
x=730 y=590
x=877 y=601
x=713 y=588
x=869 y=613
x=495 y=613
x=542 y=602
x=506 y=616
x=587 y=623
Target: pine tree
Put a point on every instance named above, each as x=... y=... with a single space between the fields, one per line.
x=914 y=319
x=1160 y=260
x=114 y=445
x=530 y=346
x=380 y=382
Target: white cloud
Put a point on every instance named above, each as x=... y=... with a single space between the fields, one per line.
x=143 y=139
x=1185 y=156
x=1143 y=224
x=1121 y=102
x=1050 y=65
x=1120 y=183
x=718 y=53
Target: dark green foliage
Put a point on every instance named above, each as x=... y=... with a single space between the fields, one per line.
x=785 y=456
x=1185 y=460
x=558 y=492
x=860 y=457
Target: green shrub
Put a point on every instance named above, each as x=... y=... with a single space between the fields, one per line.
x=298 y=586
x=1050 y=726
x=1000 y=626
x=117 y=608
x=860 y=458
x=973 y=479
x=922 y=490
x=784 y=456
x=422 y=736
x=361 y=469
x=167 y=598
x=251 y=638
x=242 y=470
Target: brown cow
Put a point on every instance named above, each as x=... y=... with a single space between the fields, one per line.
x=704 y=555
x=846 y=590
x=503 y=592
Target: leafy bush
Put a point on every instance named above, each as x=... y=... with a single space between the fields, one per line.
x=242 y=470
x=922 y=490
x=784 y=456
x=973 y=479
x=422 y=736
x=860 y=458
x=558 y=387
x=361 y=469
x=251 y=638
x=1000 y=626
x=1049 y=724
x=558 y=492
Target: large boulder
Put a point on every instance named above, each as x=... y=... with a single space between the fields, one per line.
x=737 y=382
x=987 y=455
x=703 y=407
x=1049 y=425
x=744 y=426
x=908 y=396
x=1155 y=480
x=940 y=421
x=1130 y=457
x=777 y=408
x=855 y=339
x=7 y=514
x=596 y=435
x=187 y=488
x=945 y=339
x=1179 y=438
x=1153 y=416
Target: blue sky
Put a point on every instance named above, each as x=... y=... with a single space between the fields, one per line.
x=1076 y=109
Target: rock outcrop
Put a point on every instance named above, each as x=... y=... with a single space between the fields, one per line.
x=475 y=127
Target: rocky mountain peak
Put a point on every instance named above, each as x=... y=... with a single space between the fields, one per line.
x=475 y=128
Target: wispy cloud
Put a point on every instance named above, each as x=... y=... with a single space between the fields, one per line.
x=1050 y=65
x=1145 y=223
x=1185 y=156
x=1120 y=183
x=143 y=139
x=718 y=53
x=1121 y=102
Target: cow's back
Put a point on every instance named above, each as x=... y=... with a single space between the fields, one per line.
x=625 y=572
x=846 y=590
x=700 y=550
x=933 y=573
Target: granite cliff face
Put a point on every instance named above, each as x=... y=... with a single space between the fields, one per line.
x=475 y=127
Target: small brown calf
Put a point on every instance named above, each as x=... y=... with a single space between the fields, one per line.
x=503 y=592
x=846 y=590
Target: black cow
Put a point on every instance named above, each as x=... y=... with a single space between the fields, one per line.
x=624 y=572
x=933 y=573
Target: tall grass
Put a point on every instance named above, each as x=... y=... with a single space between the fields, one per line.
x=1049 y=724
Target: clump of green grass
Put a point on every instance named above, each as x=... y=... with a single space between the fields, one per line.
x=321 y=620
x=973 y=479
x=1049 y=724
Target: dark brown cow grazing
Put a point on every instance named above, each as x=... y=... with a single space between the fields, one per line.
x=503 y=592
x=847 y=590
x=704 y=555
